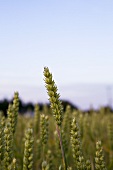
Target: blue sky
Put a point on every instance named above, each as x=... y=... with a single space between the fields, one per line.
x=73 y=38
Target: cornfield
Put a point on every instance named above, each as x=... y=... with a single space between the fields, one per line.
x=54 y=139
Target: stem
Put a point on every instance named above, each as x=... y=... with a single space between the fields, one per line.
x=43 y=152
x=62 y=150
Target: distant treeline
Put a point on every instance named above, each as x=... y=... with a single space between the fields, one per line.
x=29 y=107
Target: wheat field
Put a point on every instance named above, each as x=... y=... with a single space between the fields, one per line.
x=54 y=138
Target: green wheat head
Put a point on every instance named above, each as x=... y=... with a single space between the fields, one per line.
x=28 y=150
x=99 y=157
x=56 y=105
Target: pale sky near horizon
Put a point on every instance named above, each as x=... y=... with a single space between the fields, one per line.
x=73 y=38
